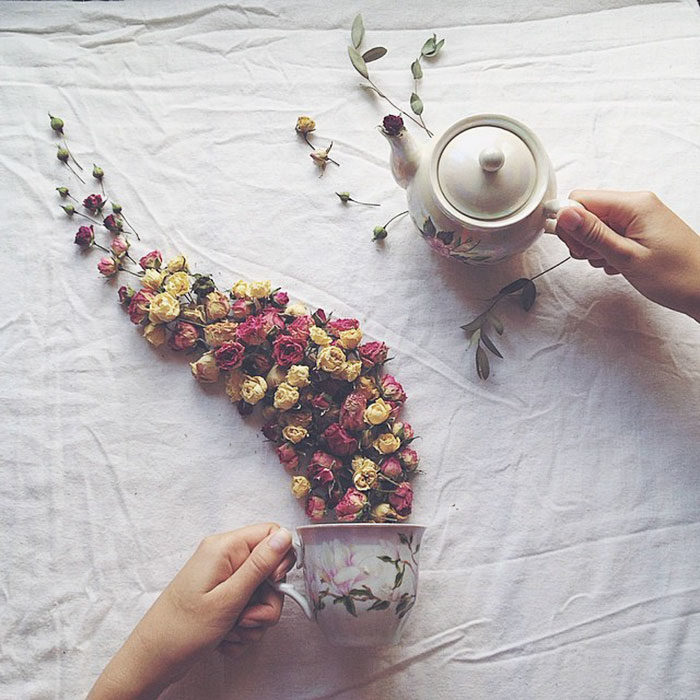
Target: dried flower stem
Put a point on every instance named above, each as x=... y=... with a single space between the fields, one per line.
x=72 y=157
x=68 y=165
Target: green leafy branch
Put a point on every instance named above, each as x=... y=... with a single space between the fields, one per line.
x=360 y=60
x=526 y=292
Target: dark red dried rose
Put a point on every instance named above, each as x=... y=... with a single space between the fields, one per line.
x=393 y=124
x=288 y=351
x=229 y=355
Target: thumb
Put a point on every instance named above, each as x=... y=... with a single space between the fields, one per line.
x=587 y=229
x=260 y=564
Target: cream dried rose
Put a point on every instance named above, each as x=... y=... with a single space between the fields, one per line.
x=176 y=264
x=350 y=338
x=154 y=334
x=205 y=368
x=164 y=308
x=286 y=396
x=377 y=412
x=297 y=309
x=300 y=486
x=216 y=334
x=177 y=284
x=253 y=389
x=298 y=376
x=352 y=370
x=387 y=443
x=217 y=306
x=330 y=359
x=241 y=290
x=275 y=376
x=234 y=382
x=295 y=433
x=152 y=279
x=319 y=336
x=260 y=289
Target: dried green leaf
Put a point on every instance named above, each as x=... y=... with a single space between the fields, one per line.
x=429 y=47
x=482 y=363
x=358 y=31
x=473 y=325
x=358 y=62
x=416 y=104
x=515 y=286
x=527 y=296
x=438 y=46
x=416 y=69
x=496 y=323
x=489 y=344
x=476 y=336
x=373 y=54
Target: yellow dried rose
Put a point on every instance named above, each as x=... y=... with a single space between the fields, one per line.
x=164 y=308
x=352 y=370
x=294 y=433
x=234 y=382
x=193 y=313
x=300 y=486
x=330 y=359
x=319 y=336
x=368 y=387
x=383 y=512
x=377 y=412
x=217 y=305
x=253 y=389
x=350 y=338
x=298 y=376
x=387 y=443
x=176 y=264
x=205 y=368
x=260 y=289
x=286 y=396
x=241 y=290
x=154 y=334
x=216 y=334
x=297 y=309
x=178 y=284
x=152 y=279
x=305 y=125
x=365 y=475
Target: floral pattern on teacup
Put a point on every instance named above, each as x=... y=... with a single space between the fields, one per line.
x=346 y=575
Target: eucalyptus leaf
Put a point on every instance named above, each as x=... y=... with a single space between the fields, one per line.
x=476 y=336
x=473 y=325
x=416 y=104
x=358 y=31
x=489 y=344
x=483 y=368
x=527 y=296
x=438 y=46
x=496 y=323
x=514 y=286
x=373 y=54
x=416 y=69
x=358 y=62
x=429 y=47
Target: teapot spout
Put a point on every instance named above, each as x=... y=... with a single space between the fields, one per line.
x=405 y=156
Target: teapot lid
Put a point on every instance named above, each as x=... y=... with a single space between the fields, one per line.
x=486 y=172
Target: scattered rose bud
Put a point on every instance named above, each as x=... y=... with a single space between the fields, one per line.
x=380 y=233
x=119 y=246
x=111 y=223
x=97 y=172
x=305 y=125
x=62 y=154
x=344 y=196
x=93 y=203
x=68 y=208
x=63 y=191
x=116 y=208
x=153 y=260
x=108 y=267
x=392 y=124
x=56 y=124
x=85 y=236
x=321 y=157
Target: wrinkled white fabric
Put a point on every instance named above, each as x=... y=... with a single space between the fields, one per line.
x=562 y=495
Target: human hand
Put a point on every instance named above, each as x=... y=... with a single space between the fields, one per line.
x=636 y=235
x=219 y=599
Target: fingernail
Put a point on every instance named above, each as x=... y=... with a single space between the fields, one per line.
x=280 y=541
x=249 y=624
x=570 y=220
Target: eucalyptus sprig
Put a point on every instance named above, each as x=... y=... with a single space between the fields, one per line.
x=360 y=60
x=526 y=291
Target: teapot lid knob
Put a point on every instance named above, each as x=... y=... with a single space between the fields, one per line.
x=491 y=159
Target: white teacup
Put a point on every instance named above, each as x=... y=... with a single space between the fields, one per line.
x=361 y=580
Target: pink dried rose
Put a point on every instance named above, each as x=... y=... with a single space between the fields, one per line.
x=280 y=299
x=108 y=267
x=229 y=355
x=392 y=124
x=299 y=328
x=352 y=411
x=320 y=476
x=391 y=467
x=315 y=508
x=351 y=506
x=391 y=389
x=111 y=223
x=93 y=203
x=153 y=259
x=251 y=331
x=409 y=458
x=288 y=456
x=402 y=499
x=185 y=336
x=335 y=326
x=321 y=402
x=339 y=441
x=270 y=319
x=324 y=460
x=373 y=353
x=85 y=236
x=119 y=246
x=241 y=308
x=288 y=351
x=140 y=304
x=403 y=431
x=126 y=294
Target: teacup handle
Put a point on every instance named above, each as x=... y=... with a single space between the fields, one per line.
x=551 y=211
x=288 y=589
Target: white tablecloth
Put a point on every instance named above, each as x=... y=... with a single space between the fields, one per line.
x=562 y=495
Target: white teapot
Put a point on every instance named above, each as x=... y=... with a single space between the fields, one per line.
x=482 y=191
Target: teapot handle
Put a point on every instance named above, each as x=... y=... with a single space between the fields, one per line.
x=551 y=211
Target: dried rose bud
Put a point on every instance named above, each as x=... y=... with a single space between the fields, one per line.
x=63 y=191
x=108 y=267
x=151 y=260
x=380 y=233
x=125 y=294
x=93 y=203
x=392 y=124
x=280 y=299
x=344 y=196
x=116 y=208
x=62 y=154
x=119 y=246
x=56 y=124
x=319 y=317
x=68 y=208
x=305 y=125
x=97 y=172
x=203 y=285
x=111 y=223
x=85 y=236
